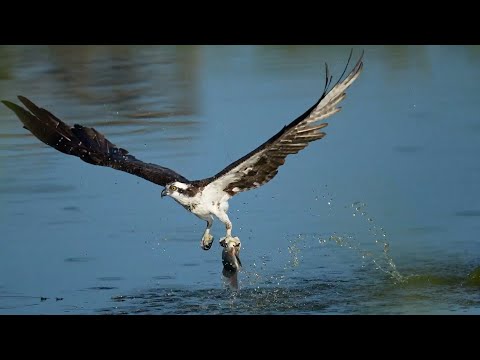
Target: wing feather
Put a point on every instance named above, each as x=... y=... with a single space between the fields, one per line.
x=261 y=165
x=87 y=144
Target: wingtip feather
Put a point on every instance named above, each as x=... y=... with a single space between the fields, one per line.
x=10 y=105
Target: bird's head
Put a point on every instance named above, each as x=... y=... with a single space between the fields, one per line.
x=178 y=190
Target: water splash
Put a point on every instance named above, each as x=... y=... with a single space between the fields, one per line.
x=383 y=261
x=379 y=256
x=373 y=248
x=295 y=252
x=253 y=277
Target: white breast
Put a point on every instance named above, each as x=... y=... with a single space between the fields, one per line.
x=210 y=201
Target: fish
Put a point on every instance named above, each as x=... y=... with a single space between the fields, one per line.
x=231 y=261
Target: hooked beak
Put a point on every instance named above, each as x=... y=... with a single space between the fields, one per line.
x=164 y=192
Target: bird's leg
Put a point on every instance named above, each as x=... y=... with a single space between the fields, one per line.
x=207 y=239
x=223 y=217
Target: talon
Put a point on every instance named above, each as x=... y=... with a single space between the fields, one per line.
x=230 y=239
x=206 y=246
x=207 y=241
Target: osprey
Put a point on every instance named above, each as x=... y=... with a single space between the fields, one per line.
x=208 y=197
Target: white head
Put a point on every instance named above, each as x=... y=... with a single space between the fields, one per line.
x=179 y=191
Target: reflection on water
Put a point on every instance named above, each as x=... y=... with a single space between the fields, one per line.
x=79 y=259
x=468 y=213
x=76 y=238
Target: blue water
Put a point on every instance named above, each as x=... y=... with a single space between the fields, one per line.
x=382 y=216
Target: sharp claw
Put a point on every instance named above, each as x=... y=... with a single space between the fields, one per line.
x=206 y=246
x=228 y=239
x=207 y=242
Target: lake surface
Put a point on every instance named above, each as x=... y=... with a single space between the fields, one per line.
x=382 y=216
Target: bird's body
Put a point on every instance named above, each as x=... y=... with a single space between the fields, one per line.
x=206 y=198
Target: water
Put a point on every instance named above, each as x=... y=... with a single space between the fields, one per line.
x=379 y=217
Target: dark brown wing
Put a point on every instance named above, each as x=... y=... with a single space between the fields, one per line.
x=261 y=165
x=87 y=144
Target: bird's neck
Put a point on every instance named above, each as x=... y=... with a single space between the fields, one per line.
x=186 y=201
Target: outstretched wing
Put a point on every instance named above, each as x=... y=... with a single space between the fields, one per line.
x=87 y=144
x=261 y=165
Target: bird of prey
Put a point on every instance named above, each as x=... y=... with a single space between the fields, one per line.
x=208 y=197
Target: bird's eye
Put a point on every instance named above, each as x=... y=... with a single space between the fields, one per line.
x=173 y=188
